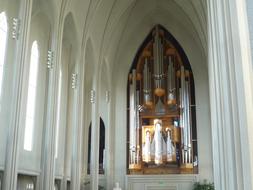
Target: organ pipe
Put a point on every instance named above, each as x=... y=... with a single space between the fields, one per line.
x=181 y=96
x=147 y=84
x=188 y=124
x=158 y=64
x=133 y=119
x=137 y=116
x=134 y=147
x=171 y=87
x=150 y=100
x=185 y=117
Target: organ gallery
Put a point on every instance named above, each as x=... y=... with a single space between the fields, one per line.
x=162 y=135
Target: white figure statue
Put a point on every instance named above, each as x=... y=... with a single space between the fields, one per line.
x=147 y=147
x=158 y=143
x=169 y=146
x=117 y=186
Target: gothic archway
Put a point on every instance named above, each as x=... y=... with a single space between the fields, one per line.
x=101 y=147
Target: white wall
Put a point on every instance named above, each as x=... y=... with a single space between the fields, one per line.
x=11 y=11
x=69 y=128
x=250 y=20
x=160 y=182
x=197 y=60
x=3 y=107
x=40 y=32
x=63 y=161
x=87 y=117
x=68 y=63
x=60 y=160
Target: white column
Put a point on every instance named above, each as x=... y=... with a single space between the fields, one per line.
x=48 y=160
x=11 y=161
x=94 y=167
x=77 y=131
x=109 y=146
x=230 y=94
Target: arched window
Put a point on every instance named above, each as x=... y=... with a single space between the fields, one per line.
x=3 y=39
x=31 y=98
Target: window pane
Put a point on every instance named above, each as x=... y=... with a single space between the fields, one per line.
x=31 y=102
x=28 y=134
x=31 y=98
x=3 y=38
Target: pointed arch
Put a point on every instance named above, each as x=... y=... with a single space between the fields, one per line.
x=160 y=102
x=101 y=146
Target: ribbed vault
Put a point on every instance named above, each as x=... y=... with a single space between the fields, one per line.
x=112 y=23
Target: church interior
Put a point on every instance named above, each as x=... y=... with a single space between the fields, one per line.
x=126 y=94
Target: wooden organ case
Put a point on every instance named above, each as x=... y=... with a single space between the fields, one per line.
x=162 y=136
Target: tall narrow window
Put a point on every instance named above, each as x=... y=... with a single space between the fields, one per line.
x=102 y=147
x=31 y=98
x=3 y=38
x=58 y=115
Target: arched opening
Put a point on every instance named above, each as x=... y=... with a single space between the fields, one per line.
x=161 y=112
x=101 y=147
x=66 y=101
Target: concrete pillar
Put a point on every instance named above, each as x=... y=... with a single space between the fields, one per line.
x=77 y=130
x=47 y=177
x=94 y=168
x=230 y=94
x=109 y=147
x=11 y=161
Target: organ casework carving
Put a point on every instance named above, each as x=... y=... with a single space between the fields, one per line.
x=161 y=109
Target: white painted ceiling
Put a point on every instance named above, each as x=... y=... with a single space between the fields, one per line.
x=116 y=28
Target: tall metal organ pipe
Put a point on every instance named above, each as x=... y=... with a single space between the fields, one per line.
x=171 y=87
x=188 y=122
x=137 y=129
x=182 y=119
x=147 y=84
x=133 y=119
x=185 y=117
x=158 y=64
x=156 y=53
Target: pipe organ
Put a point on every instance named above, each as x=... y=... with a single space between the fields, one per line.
x=161 y=109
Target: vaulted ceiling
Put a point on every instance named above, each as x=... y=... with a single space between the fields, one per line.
x=116 y=28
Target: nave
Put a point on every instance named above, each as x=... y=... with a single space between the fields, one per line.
x=147 y=94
